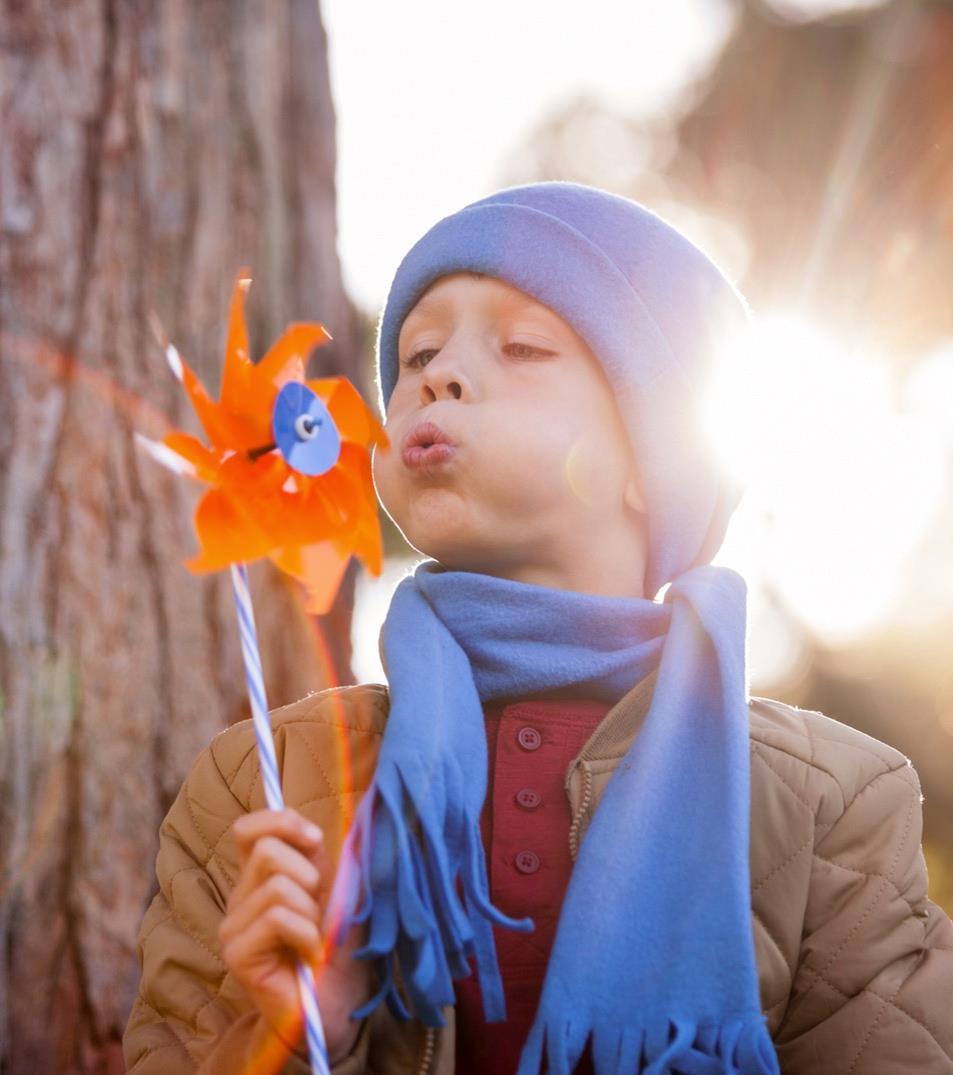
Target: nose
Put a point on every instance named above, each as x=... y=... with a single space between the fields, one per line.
x=443 y=376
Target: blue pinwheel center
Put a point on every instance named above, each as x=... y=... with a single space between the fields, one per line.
x=304 y=430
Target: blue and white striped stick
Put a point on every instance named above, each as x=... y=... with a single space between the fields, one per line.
x=317 y=1049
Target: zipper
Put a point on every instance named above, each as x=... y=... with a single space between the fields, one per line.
x=581 y=812
x=426 y=1058
x=605 y=742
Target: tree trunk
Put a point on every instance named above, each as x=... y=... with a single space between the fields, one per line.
x=147 y=152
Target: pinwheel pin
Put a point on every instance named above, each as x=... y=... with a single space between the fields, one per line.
x=288 y=465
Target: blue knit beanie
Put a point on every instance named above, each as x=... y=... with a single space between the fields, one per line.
x=650 y=305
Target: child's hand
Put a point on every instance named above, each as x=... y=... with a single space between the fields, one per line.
x=273 y=914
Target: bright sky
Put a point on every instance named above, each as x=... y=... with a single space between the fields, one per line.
x=430 y=97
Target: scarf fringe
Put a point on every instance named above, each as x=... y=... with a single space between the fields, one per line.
x=403 y=884
x=740 y=1046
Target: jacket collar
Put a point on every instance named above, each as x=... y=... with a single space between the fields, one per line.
x=617 y=730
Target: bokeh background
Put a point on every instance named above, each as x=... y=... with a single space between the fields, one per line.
x=147 y=152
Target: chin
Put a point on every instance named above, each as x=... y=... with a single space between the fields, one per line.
x=435 y=518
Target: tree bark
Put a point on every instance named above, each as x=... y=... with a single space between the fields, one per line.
x=147 y=152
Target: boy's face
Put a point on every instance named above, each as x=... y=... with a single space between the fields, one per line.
x=540 y=472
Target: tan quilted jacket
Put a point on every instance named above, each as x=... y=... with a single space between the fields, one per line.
x=855 y=962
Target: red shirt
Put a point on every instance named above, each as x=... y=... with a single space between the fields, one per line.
x=525 y=828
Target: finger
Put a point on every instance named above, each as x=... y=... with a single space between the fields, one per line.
x=278 y=931
x=278 y=891
x=288 y=824
x=271 y=855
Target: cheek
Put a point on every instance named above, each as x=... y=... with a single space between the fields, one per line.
x=382 y=471
x=596 y=468
x=532 y=470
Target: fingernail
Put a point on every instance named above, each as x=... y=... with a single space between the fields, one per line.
x=312 y=831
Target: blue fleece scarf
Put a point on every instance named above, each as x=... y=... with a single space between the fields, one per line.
x=653 y=955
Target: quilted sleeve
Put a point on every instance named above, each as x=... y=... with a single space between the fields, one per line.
x=873 y=989
x=191 y=1016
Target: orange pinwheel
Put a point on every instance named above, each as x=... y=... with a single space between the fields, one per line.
x=288 y=461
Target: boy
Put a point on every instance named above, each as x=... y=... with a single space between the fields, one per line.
x=734 y=884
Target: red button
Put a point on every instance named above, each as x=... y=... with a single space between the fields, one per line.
x=528 y=799
x=527 y=862
x=529 y=738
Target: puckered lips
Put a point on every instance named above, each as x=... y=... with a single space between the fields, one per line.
x=427 y=445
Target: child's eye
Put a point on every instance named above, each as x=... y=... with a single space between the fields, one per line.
x=524 y=348
x=411 y=360
x=527 y=348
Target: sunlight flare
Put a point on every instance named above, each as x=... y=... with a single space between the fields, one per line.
x=844 y=483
